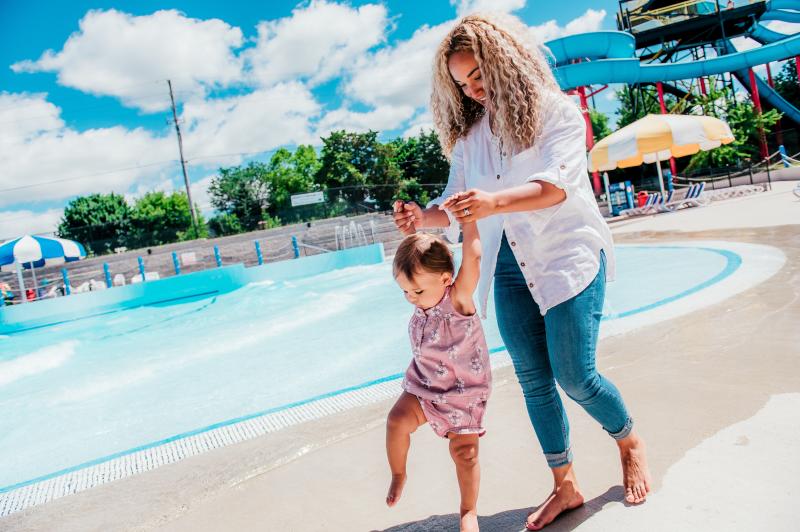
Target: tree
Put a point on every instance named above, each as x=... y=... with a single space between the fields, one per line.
x=159 y=218
x=349 y=162
x=600 y=129
x=101 y=222
x=290 y=173
x=225 y=224
x=636 y=103
x=744 y=122
x=786 y=83
x=243 y=192
x=421 y=159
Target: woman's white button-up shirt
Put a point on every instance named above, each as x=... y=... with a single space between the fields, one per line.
x=557 y=248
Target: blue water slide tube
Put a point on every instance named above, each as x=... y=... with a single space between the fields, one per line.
x=766 y=92
x=775 y=8
x=602 y=45
x=631 y=71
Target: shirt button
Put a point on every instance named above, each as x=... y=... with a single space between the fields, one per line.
x=522 y=264
x=513 y=243
x=530 y=285
x=563 y=166
x=498 y=176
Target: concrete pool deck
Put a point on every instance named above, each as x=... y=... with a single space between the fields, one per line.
x=715 y=392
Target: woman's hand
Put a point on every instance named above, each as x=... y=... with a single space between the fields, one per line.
x=407 y=217
x=471 y=205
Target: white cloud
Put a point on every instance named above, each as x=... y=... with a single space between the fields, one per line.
x=23 y=116
x=129 y=57
x=465 y=7
x=316 y=42
x=398 y=75
x=200 y=195
x=380 y=119
x=422 y=122
x=71 y=162
x=14 y=223
x=591 y=20
x=252 y=123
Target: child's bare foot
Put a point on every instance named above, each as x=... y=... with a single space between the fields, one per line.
x=635 y=473
x=395 y=489
x=469 y=521
x=566 y=496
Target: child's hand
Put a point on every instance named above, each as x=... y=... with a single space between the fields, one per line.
x=407 y=216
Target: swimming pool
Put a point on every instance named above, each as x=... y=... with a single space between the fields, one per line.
x=74 y=393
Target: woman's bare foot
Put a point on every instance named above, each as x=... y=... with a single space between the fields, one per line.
x=566 y=496
x=395 y=489
x=635 y=473
x=469 y=521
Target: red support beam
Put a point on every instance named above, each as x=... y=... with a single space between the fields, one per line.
x=703 y=86
x=589 y=136
x=660 y=89
x=757 y=103
x=779 y=130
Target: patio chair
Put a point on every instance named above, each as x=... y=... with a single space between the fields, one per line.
x=694 y=198
x=653 y=204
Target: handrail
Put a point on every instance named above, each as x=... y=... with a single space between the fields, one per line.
x=311 y=246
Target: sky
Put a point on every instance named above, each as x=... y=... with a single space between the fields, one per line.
x=85 y=106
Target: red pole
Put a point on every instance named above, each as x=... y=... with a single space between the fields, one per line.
x=757 y=102
x=589 y=135
x=660 y=88
x=702 y=86
x=797 y=68
x=779 y=131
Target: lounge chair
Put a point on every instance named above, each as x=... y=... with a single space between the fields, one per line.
x=694 y=198
x=653 y=204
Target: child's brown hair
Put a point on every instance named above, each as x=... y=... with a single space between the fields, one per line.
x=422 y=252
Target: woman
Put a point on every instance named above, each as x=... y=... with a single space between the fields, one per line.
x=518 y=168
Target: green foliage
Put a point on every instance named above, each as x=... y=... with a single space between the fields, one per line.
x=636 y=103
x=744 y=122
x=600 y=129
x=101 y=222
x=225 y=224
x=159 y=218
x=350 y=162
x=421 y=159
x=243 y=192
x=411 y=190
x=786 y=83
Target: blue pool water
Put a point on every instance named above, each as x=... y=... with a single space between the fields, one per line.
x=79 y=391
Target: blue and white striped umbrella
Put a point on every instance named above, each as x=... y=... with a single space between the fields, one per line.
x=37 y=251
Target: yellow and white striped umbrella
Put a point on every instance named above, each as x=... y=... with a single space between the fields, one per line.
x=656 y=138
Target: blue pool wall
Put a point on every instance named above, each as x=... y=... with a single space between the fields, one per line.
x=179 y=289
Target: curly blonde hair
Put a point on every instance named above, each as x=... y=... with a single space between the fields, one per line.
x=515 y=75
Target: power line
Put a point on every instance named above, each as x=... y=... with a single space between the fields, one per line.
x=33 y=185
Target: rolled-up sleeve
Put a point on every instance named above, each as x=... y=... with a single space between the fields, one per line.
x=455 y=183
x=560 y=153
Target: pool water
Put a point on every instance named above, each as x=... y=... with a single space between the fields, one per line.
x=82 y=390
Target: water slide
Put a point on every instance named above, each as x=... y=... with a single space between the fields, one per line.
x=609 y=57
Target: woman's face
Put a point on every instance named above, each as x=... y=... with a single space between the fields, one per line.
x=467 y=75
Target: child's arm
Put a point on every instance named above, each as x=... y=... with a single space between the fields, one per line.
x=470 y=270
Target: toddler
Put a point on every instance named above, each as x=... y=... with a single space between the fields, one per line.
x=448 y=381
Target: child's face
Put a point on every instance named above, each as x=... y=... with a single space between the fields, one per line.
x=425 y=289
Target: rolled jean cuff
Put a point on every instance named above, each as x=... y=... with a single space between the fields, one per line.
x=624 y=432
x=559 y=459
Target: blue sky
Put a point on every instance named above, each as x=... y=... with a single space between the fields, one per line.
x=84 y=102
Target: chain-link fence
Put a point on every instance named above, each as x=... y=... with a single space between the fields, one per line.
x=125 y=267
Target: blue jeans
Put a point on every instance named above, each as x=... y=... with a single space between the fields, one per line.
x=558 y=347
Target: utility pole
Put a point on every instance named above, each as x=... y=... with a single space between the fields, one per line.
x=183 y=162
